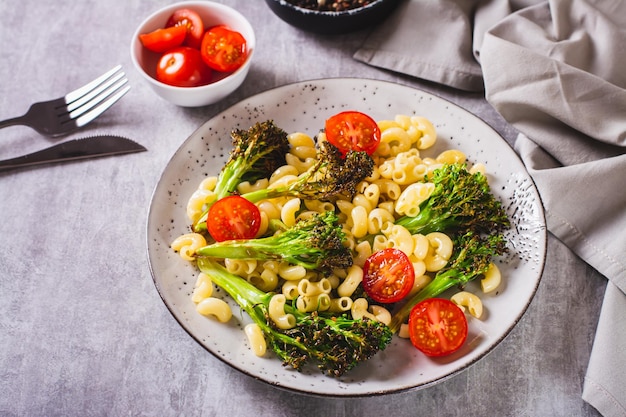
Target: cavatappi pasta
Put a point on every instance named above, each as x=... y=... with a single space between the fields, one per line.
x=394 y=189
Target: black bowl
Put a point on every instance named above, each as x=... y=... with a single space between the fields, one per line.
x=332 y=23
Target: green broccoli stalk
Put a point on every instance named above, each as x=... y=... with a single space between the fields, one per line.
x=461 y=201
x=256 y=153
x=316 y=243
x=337 y=344
x=332 y=175
x=470 y=258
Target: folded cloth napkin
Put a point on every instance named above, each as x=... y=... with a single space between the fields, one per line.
x=555 y=70
x=436 y=40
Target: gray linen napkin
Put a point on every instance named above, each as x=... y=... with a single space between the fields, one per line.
x=436 y=40
x=557 y=73
x=555 y=70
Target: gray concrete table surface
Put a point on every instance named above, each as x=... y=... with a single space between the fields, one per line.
x=83 y=331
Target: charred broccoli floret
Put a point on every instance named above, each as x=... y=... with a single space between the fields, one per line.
x=336 y=344
x=332 y=175
x=460 y=201
x=256 y=153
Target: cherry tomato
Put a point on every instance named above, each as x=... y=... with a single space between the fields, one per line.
x=353 y=130
x=437 y=327
x=233 y=217
x=190 y=20
x=161 y=40
x=224 y=49
x=388 y=275
x=183 y=67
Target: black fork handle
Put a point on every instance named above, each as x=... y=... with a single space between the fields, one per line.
x=21 y=120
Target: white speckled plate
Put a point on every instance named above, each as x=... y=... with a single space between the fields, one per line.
x=303 y=107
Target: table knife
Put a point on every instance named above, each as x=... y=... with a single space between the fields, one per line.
x=90 y=147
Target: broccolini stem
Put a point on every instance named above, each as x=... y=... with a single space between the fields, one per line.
x=438 y=285
x=243 y=292
x=234 y=249
x=266 y=193
x=230 y=177
x=251 y=299
x=425 y=222
x=316 y=242
x=263 y=249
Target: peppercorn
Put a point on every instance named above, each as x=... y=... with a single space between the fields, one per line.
x=330 y=5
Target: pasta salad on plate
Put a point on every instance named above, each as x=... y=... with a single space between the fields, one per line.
x=349 y=237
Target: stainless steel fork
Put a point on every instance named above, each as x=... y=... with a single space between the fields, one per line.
x=76 y=109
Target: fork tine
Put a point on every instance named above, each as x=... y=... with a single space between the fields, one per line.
x=93 y=92
x=95 y=100
x=81 y=91
x=102 y=107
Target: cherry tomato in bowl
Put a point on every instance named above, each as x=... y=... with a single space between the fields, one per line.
x=353 y=130
x=192 y=22
x=233 y=217
x=183 y=67
x=437 y=327
x=223 y=49
x=161 y=40
x=388 y=275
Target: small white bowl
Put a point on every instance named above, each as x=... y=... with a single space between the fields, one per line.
x=212 y=14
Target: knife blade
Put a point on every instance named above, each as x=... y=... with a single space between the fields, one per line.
x=76 y=149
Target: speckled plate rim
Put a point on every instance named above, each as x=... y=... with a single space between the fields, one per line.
x=303 y=106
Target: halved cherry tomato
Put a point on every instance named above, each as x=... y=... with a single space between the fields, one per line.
x=353 y=130
x=388 y=275
x=183 y=67
x=190 y=20
x=161 y=40
x=224 y=49
x=233 y=217
x=437 y=327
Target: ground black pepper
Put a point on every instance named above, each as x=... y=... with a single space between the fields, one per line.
x=330 y=5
